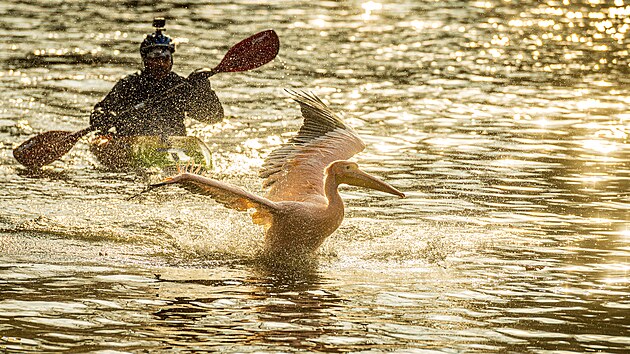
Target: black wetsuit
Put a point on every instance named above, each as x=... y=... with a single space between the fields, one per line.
x=165 y=114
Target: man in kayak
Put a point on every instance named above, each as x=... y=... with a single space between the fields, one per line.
x=156 y=100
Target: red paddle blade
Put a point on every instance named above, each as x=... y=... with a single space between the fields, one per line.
x=250 y=53
x=47 y=147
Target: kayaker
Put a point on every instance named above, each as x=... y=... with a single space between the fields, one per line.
x=156 y=100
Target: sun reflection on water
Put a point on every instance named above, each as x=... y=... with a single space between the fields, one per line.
x=370 y=7
x=600 y=146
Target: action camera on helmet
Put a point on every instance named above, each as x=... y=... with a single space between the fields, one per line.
x=157 y=39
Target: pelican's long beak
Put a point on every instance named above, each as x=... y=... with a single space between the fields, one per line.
x=361 y=179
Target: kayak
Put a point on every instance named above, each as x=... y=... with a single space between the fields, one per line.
x=149 y=151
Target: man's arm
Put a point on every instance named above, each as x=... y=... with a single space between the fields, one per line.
x=103 y=116
x=203 y=103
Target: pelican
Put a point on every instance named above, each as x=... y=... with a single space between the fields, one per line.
x=303 y=206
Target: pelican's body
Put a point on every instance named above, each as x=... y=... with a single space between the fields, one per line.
x=303 y=206
x=301 y=227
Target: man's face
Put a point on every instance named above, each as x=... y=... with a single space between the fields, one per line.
x=158 y=62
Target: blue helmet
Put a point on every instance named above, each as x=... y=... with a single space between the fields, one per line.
x=157 y=39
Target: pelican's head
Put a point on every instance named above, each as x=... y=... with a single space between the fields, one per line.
x=349 y=173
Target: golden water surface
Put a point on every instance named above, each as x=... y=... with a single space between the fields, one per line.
x=505 y=122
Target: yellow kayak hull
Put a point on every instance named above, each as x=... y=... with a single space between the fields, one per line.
x=149 y=151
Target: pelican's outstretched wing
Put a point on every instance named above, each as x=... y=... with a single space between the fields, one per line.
x=295 y=171
x=226 y=194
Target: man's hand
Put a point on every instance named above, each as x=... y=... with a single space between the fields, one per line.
x=199 y=75
x=102 y=120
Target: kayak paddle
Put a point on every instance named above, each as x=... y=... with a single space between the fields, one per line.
x=247 y=54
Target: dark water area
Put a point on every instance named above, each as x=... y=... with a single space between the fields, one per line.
x=506 y=124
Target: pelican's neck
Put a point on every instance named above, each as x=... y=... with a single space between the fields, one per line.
x=331 y=190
